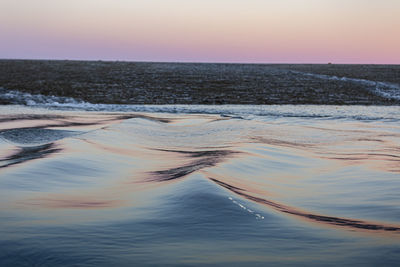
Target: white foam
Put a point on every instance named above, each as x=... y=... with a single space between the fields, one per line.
x=384 y=89
x=252 y=112
x=21 y=98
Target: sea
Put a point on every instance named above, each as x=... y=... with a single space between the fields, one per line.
x=198 y=185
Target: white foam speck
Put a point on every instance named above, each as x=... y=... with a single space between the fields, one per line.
x=258 y=216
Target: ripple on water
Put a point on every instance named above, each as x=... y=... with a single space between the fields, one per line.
x=129 y=188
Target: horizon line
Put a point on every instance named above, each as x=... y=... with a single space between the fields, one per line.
x=196 y=62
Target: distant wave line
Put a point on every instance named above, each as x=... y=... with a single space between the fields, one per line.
x=384 y=89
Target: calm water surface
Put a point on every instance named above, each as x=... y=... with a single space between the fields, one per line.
x=215 y=185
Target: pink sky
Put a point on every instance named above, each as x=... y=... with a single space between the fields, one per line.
x=260 y=31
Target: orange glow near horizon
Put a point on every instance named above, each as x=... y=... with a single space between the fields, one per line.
x=297 y=31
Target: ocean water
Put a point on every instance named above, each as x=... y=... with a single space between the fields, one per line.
x=239 y=185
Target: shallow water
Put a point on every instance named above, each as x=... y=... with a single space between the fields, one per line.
x=196 y=185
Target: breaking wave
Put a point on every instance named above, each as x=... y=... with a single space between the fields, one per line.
x=390 y=113
x=384 y=89
x=22 y=98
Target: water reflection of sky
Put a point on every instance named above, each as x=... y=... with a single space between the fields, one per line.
x=132 y=186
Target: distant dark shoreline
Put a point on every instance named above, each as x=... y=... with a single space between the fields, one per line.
x=196 y=62
x=121 y=82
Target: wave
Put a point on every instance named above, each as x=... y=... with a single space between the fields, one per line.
x=384 y=89
x=343 y=222
x=242 y=156
x=21 y=98
x=355 y=112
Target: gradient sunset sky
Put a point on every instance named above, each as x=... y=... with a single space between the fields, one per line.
x=259 y=31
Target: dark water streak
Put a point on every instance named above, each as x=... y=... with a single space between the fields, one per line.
x=25 y=154
x=204 y=159
x=357 y=224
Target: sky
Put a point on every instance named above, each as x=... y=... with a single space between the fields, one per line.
x=252 y=31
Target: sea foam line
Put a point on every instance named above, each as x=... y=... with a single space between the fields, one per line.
x=384 y=89
x=250 y=112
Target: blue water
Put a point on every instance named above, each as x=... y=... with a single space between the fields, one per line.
x=227 y=187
